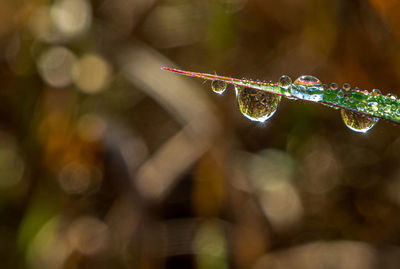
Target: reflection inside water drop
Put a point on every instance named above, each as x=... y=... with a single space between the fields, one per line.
x=308 y=88
x=257 y=105
x=358 y=122
x=285 y=82
x=218 y=86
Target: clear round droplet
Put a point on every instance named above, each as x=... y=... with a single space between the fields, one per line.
x=346 y=86
x=257 y=105
x=340 y=93
x=391 y=96
x=375 y=92
x=361 y=106
x=387 y=108
x=334 y=86
x=218 y=86
x=358 y=122
x=285 y=82
x=307 y=80
x=374 y=106
x=307 y=88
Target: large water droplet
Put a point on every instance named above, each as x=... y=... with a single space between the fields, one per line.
x=358 y=122
x=308 y=88
x=218 y=86
x=257 y=105
x=307 y=80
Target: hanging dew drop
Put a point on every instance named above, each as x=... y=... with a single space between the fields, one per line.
x=218 y=86
x=358 y=122
x=256 y=105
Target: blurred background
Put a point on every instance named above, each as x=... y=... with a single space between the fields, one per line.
x=108 y=162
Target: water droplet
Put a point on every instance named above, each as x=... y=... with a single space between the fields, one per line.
x=374 y=106
x=218 y=86
x=334 y=86
x=392 y=96
x=358 y=122
x=285 y=82
x=387 y=108
x=340 y=93
x=308 y=88
x=307 y=80
x=361 y=106
x=375 y=92
x=257 y=105
x=346 y=86
x=398 y=112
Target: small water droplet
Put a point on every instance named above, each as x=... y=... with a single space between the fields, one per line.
x=346 y=86
x=334 y=86
x=374 y=106
x=358 y=122
x=391 y=96
x=375 y=92
x=387 y=108
x=398 y=112
x=218 y=86
x=257 y=105
x=361 y=106
x=340 y=93
x=285 y=82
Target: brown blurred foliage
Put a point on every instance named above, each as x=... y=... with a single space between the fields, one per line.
x=108 y=162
